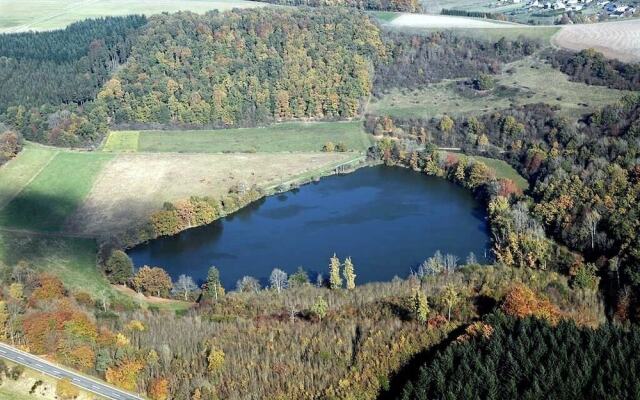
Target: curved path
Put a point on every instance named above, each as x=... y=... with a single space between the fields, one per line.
x=86 y=383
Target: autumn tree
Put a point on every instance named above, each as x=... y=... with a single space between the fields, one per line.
x=522 y=302
x=125 y=373
x=335 y=281
x=152 y=281
x=215 y=360
x=450 y=298
x=159 y=389
x=420 y=305
x=319 y=308
x=349 y=274
x=49 y=288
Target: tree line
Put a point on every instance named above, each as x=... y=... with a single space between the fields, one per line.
x=593 y=68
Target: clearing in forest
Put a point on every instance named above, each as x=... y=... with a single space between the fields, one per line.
x=25 y=15
x=527 y=81
x=277 y=138
x=132 y=186
x=619 y=39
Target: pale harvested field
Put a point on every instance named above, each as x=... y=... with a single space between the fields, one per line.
x=24 y=15
x=132 y=186
x=620 y=39
x=446 y=21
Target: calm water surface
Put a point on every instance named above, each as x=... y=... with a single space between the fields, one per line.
x=387 y=219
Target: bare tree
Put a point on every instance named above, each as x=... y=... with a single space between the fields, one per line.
x=248 y=284
x=278 y=280
x=593 y=219
x=185 y=285
x=450 y=262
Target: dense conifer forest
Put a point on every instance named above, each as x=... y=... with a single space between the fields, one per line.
x=531 y=359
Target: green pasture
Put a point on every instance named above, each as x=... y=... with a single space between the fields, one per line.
x=285 y=137
x=54 y=193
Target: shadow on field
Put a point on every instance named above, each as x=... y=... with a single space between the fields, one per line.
x=37 y=211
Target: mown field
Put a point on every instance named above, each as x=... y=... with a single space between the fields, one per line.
x=24 y=15
x=617 y=39
x=526 y=81
x=54 y=193
x=285 y=137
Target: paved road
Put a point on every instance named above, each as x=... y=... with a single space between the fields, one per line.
x=89 y=384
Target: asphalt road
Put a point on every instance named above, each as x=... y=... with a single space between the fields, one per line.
x=44 y=366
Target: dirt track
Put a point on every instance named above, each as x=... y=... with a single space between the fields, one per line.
x=619 y=39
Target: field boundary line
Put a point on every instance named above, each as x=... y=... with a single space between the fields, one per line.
x=68 y=225
x=38 y=172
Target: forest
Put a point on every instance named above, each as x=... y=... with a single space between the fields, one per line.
x=246 y=67
x=532 y=359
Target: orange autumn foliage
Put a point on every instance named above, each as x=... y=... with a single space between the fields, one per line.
x=159 y=389
x=49 y=288
x=44 y=329
x=522 y=302
x=125 y=374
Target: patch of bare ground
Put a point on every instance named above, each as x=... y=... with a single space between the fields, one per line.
x=619 y=39
x=132 y=186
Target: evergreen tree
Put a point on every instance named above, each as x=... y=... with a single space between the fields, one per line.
x=335 y=281
x=119 y=267
x=213 y=286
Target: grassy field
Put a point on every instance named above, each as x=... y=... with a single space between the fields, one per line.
x=526 y=81
x=286 y=137
x=72 y=259
x=54 y=193
x=501 y=168
x=26 y=15
x=17 y=173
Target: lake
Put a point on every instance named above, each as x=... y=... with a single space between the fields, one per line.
x=386 y=219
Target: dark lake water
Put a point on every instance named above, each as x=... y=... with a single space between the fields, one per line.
x=387 y=219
